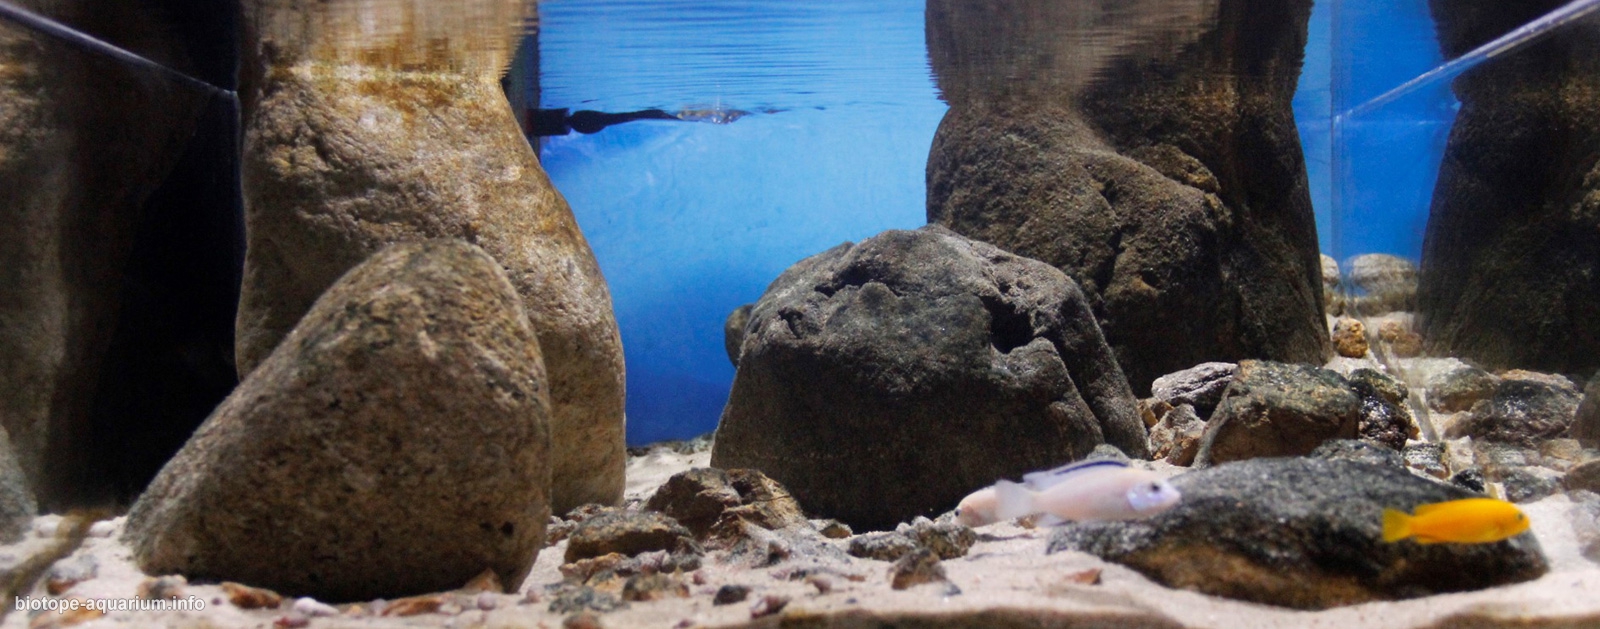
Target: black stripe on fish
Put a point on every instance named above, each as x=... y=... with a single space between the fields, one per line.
x=1037 y=481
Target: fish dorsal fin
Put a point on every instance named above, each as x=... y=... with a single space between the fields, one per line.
x=1039 y=481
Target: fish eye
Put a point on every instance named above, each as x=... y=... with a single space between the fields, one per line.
x=1520 y=517
x=1156 y=487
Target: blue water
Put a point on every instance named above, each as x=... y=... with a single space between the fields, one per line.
x=691 y=220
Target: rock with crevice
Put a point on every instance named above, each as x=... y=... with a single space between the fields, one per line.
x=395 y=443
x=1200 y=386
x=887 y=379
x=1301 y=533
x=1386 y=418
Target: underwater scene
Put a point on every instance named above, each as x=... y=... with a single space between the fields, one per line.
x=1223 y=314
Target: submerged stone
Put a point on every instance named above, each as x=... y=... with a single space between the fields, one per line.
x=888 y=379
x=1302 y=533
x=395 y=443
x=1277 y=409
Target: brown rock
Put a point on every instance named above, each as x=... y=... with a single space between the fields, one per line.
x=394 y=444
x=1402 y=341
x=353 y=141
x=1350 y=338
x=698 y=498
x=246 y=597
x=916 y=568
x=653 y=587
x=628 y=533
x=733 y=331
x=1176 y=437
x=414 y=605
x=1583 y=477
x=1276 y=409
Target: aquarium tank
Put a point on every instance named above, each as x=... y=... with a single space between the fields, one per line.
x=750 y=313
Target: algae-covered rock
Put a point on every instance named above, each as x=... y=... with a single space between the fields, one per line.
x=395 y=443
x=1277 y=409
x=888 y=379
x=369 y=125
x=1302 y=533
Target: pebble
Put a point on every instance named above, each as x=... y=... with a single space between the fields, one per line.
x=66 y=574
x=1583 y=477
x=1350 y=338
x=768 y=605
x=102 y=528
x=916 y=568
x=312 y=607
x=582 y=620
x=653 y=587
x=729 y=594
x=246 y=597
x=1426 y=457
x=163 y=587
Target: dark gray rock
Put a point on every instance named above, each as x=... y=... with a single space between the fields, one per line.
x=1583 y=477
x=1302 y=533
x=1176 y=437
x=733 y=331
x=1359 y=451
x=1526 y=409
x=1162 y=172
x=1385 y=418
x=1277 y=409
x=947 y=539
x=882 y=545
x=628 y=533
x=395 y=443
x=1471 y=479
x=1527 y=484
x=730 y=594
x=886 y=380
x=584 y=598
x=1511 y=252
x=1426 y=457
x=1586 y=426
x=1458 y=389
x=1200 y=386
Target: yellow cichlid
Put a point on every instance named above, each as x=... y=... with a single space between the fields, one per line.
x=1468 y=521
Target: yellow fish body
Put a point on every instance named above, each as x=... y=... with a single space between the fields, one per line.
x=1468 y=521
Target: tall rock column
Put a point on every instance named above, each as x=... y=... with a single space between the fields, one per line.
x=1147 y=149
x=373 y=123
x=1511 y=259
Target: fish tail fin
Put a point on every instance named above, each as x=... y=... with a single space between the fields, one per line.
x=1396 y=525
x=1012 y=500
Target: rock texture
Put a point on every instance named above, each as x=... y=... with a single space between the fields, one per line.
x=17 y=505
x=1301 y=533
x=1176 y=437
x=702 y=496
x=1526 y=408
x=1162 y=172
x=733 y=331
x=1386 y=420
x=366 y=126
x=1511 y=256
x=395 y=443
x=1385 y=283
x=1200 y=386
x=1276 y=409
x=885 y=380
x=1586 y=426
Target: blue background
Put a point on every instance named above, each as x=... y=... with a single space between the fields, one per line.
x=691 y=220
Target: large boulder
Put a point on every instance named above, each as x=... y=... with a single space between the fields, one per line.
x=1302 y=533
x=1511 y=256
x=1277 y=409
x=885 y=380
x=1162 y=172
x=369 y=125
x=395 y=443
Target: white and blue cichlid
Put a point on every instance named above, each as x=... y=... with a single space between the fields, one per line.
x=1090 y=490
